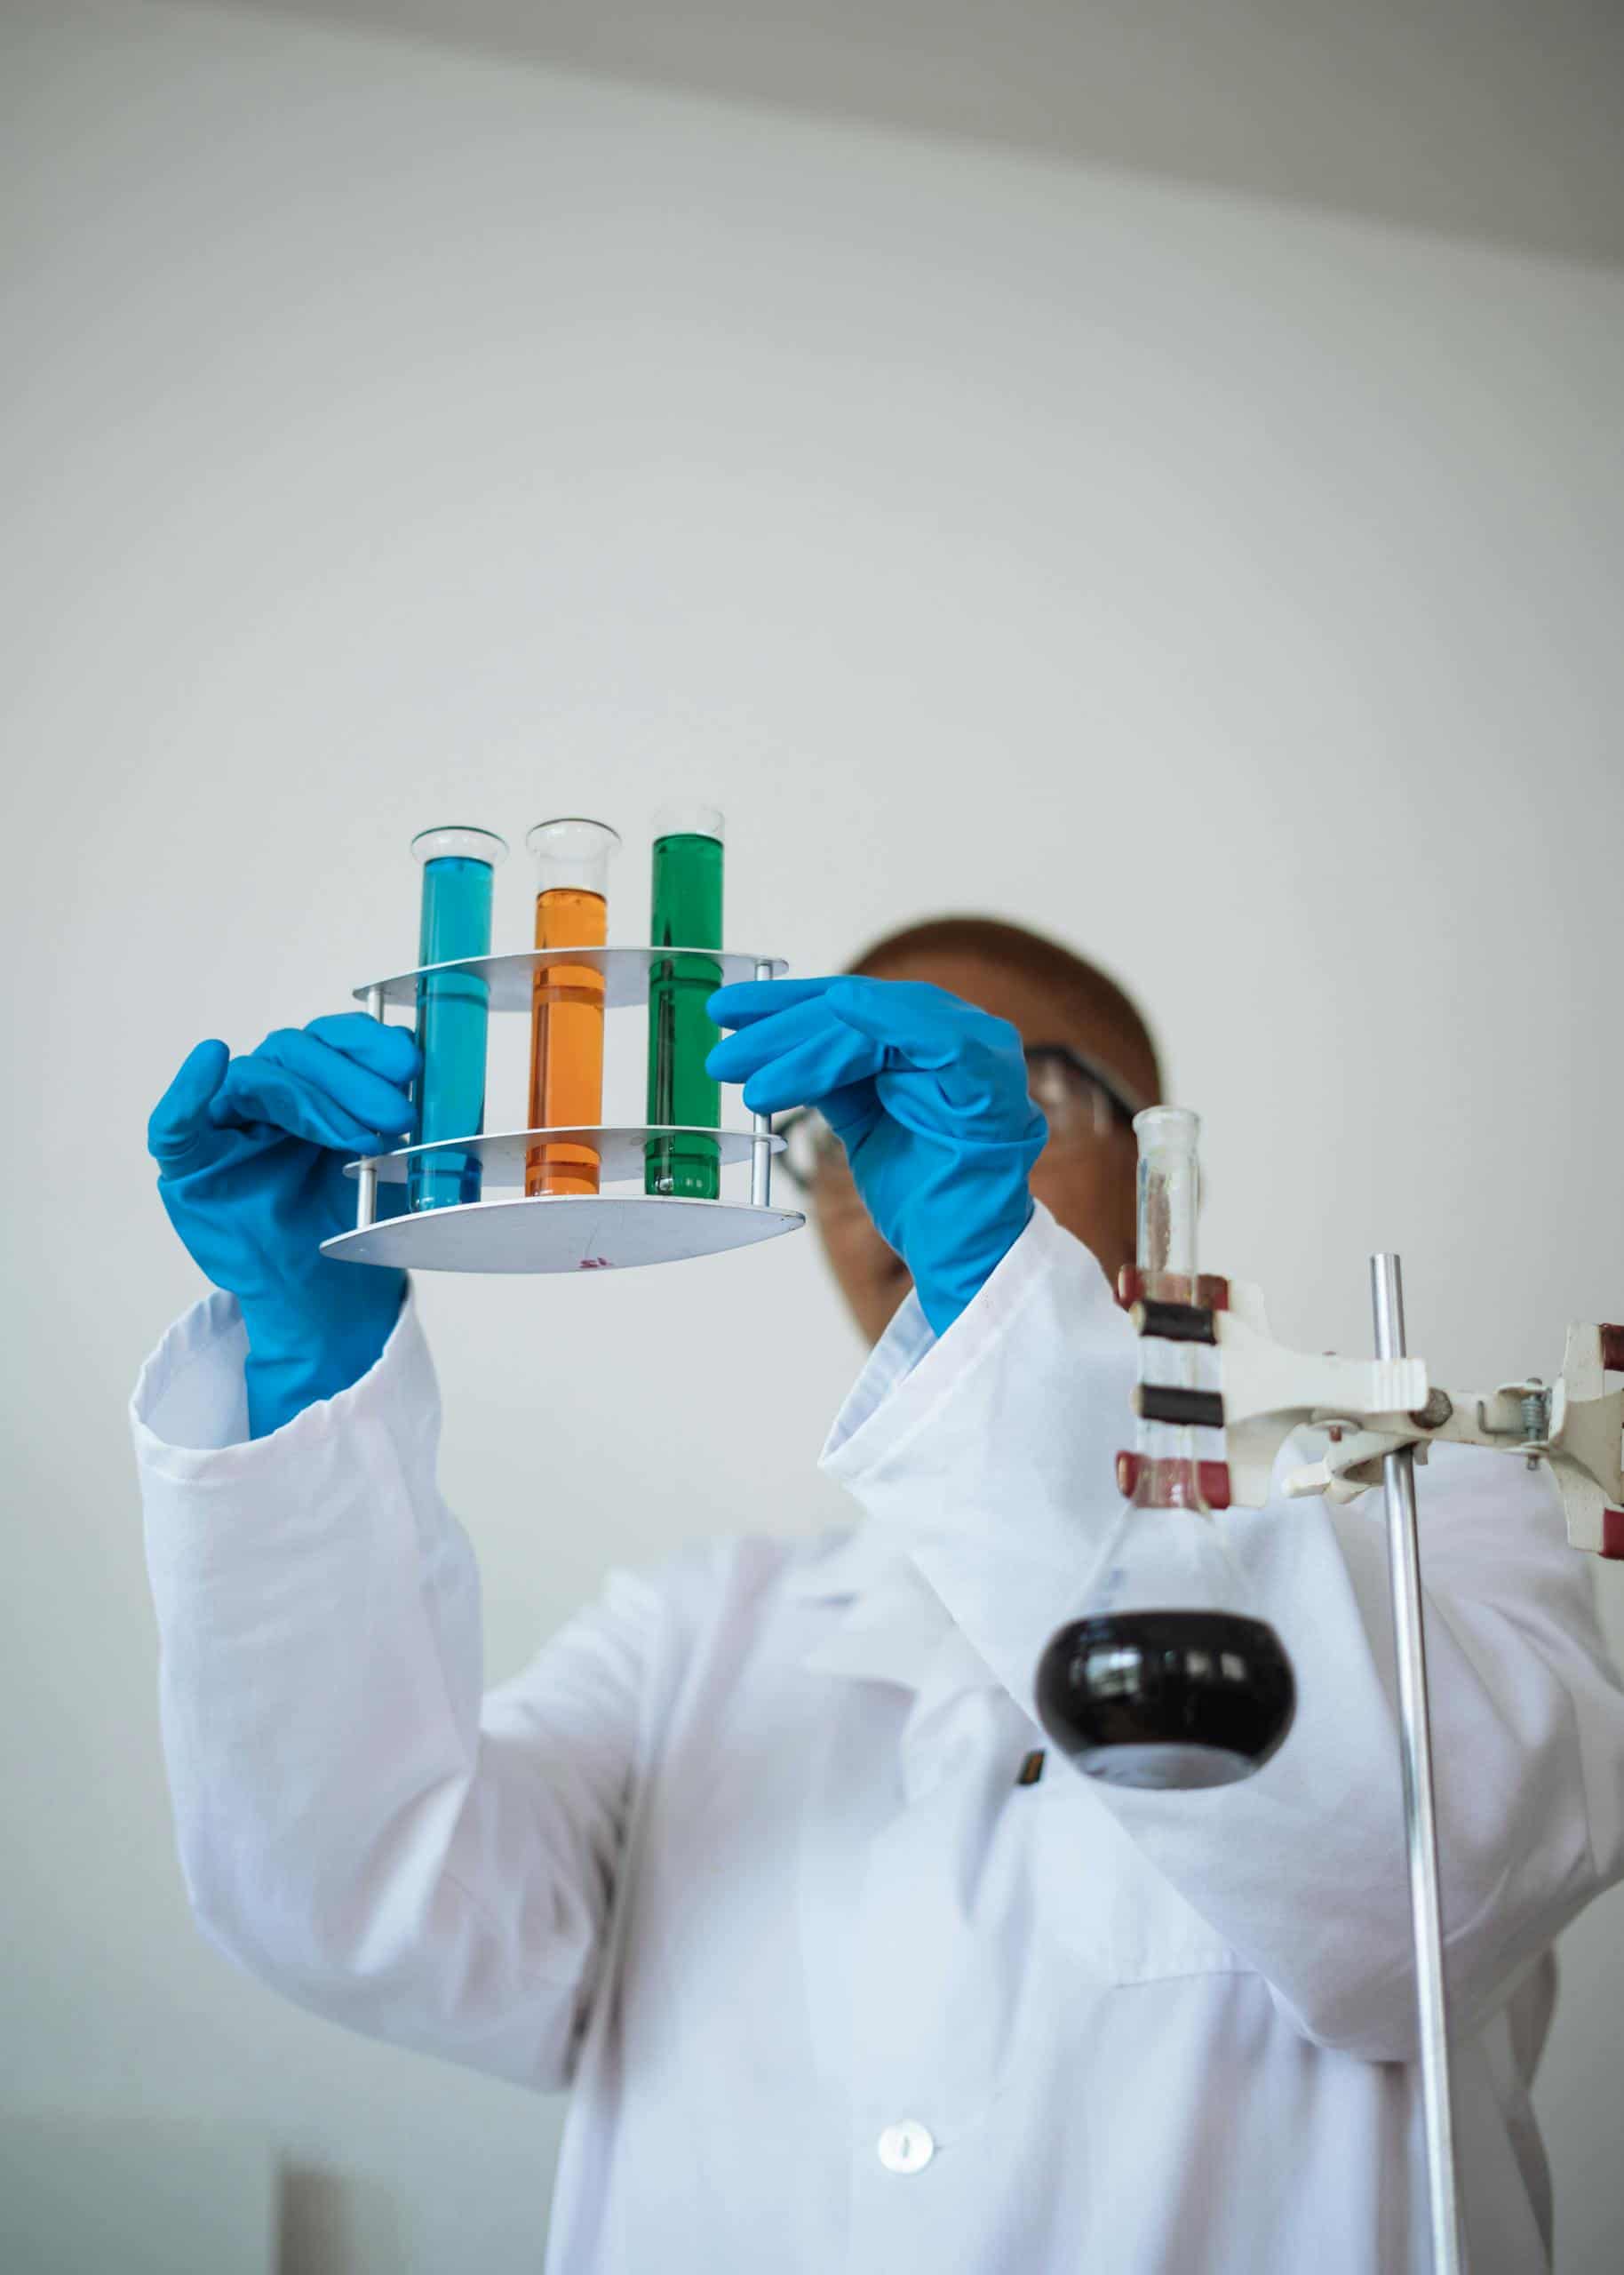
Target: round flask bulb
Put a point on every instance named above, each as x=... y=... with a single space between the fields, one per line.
x=1167 y=1699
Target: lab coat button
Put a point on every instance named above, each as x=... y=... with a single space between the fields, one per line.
x=906 y=2147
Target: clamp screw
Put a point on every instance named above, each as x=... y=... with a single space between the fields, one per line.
x=1534 y=1405
x=1536 y=1415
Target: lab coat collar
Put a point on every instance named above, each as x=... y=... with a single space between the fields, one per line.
x=847 y=1561
x=924 y=1441
x=894 y=1627
x=929 y=1433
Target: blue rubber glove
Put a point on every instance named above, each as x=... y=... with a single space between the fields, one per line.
x=926 y=1094
x=250 y=1156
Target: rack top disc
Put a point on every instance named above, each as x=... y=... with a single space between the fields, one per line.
x=510 y=978
x=564 y=1234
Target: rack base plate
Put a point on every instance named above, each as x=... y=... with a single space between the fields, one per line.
x=562 y=1233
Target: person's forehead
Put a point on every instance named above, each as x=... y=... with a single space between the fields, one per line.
x=1042 y=1009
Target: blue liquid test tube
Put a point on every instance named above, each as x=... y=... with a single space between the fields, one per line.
x=453 y=1011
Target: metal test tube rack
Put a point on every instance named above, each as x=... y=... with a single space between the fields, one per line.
x=563 y=1233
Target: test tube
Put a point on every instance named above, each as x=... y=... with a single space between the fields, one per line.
x=1169 y=1193
x=687 y=913
x=453 y=1008
x=572 y=857
x=1169 y=1203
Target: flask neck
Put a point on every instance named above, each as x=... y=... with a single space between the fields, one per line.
x=1169 y=1191
x=1163 y=1480
x=1167 y=1470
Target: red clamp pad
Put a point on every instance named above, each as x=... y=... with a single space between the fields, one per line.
x=1209 y=1292
x=1612 y=1519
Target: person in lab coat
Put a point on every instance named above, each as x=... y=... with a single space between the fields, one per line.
x=751 y=1856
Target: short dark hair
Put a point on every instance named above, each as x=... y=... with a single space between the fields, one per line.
x=1097 y=996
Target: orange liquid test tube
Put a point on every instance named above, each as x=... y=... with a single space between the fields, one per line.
x=567 y=1015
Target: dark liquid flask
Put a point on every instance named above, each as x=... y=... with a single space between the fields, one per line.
x=1168 y=1680
x=1166 y=1698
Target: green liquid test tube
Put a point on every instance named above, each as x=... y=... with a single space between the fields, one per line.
x=687 y=913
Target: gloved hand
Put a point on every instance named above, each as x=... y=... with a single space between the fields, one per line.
x=926 y=1094
x=250 y=1156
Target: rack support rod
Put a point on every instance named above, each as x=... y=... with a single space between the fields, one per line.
x=366 y=1180
x=761 y=1130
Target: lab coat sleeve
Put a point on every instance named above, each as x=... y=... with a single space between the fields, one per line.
x=995 y=1445
x=359 y=1825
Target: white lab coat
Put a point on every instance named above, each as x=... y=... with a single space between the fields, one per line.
x=741 y=1858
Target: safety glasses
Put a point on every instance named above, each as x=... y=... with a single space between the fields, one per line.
x=1082 y=1102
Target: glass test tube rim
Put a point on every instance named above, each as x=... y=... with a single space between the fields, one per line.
x=606 y=830
x=581 y=866
x=459 y=841
x=688 y=817
x=1182 y=1123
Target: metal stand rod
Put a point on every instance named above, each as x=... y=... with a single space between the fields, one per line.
x=760 y=1150
x=1420 y=1815
x=366 y=1180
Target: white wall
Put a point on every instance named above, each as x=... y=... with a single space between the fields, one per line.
x=394 y=436
x=1494 y=119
